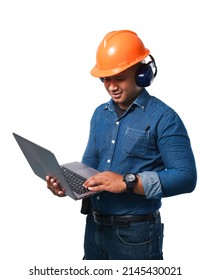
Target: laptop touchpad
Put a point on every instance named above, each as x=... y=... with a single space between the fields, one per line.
x=87 y=172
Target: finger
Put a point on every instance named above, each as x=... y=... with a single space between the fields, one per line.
x=52 y=182
x=95 y=188
x=99 y=187
x=61 y=193
x=91 y=182
x=58 y=190
x=48 y=179
x=55 y=188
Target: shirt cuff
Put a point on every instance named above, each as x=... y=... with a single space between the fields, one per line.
x=151 y=184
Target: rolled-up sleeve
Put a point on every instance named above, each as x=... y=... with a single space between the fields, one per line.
x=151 y=184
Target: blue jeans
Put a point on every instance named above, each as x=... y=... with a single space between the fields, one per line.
x=138 y=241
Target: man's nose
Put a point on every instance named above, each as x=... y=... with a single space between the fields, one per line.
x=113 y=85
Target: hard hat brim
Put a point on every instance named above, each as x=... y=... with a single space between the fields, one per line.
x=111 y=72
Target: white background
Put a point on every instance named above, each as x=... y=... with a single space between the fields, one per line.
x=47 y=49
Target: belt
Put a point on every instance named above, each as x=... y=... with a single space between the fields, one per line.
x=121 y=220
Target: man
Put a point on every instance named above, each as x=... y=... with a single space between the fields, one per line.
x=142 y=150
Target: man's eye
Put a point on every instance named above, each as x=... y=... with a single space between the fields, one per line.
x=120 y=79
x=106 y=79
x=117 y=79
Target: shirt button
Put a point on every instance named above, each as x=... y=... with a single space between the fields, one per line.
x=98 y=197
x=108 y=160
x=117 y=122
x=113 y=141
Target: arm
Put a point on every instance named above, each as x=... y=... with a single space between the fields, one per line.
x=179 y=175
x=111 y=182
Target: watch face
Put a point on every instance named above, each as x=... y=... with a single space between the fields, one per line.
x=130 y=177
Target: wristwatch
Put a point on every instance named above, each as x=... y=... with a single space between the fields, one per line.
x=130 y=179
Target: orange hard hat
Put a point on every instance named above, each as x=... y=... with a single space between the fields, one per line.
x=118 y=51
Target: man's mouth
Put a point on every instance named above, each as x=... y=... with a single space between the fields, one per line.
x=116 y=95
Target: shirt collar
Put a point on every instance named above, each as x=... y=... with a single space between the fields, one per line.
x=141 y=101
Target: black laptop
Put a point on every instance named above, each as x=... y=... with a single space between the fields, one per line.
x=43 y=162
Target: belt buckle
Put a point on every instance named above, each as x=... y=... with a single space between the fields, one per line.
x=96 y=217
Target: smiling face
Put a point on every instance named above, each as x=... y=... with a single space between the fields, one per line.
x=122 y=87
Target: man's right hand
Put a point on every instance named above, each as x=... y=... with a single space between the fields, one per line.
x=53 y=185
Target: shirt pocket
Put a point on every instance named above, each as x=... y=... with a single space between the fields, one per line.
x=135 y=142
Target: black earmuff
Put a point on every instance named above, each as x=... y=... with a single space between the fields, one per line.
x=146 y=72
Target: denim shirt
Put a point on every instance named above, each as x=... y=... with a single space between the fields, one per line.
x=149 y=139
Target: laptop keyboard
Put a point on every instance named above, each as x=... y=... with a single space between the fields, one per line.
x=75 y=181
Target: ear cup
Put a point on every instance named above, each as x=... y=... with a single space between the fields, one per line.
x=144 y=76
x=145 y=73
